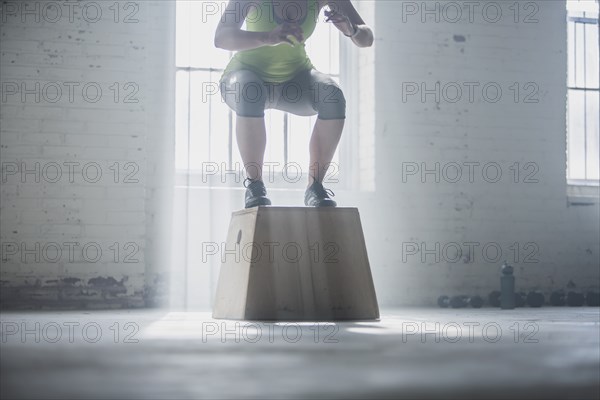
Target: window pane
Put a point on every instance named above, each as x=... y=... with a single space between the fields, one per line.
x=219 y=123
x=592 y=143
x=576 y=141
x=199 y=120
x=181 y=120
x=323 y=48
x=182 y=34
x=274 y=152
x=299 y=132
x=334 y=53
x=571 y=53
x=579 y=56
x=205 y=15
x=591 y=55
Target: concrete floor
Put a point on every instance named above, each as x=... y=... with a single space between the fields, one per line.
x=424 y=353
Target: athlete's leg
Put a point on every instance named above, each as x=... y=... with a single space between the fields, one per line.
x=330 y=103
x=252 y=140
x=312 y=92
x=246 y=94
x=308 y=93
x=323 y=142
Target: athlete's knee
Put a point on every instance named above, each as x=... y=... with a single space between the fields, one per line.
x=245 y=93
x=331 y=102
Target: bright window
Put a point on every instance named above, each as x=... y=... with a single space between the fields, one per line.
x=583 y=92
x=205 y=126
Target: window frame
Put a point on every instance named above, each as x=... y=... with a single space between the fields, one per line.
x=197 y=178
x=576 y=186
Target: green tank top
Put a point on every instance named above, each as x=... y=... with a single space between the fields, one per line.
x=281 y=62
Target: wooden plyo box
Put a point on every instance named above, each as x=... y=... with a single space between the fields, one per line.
x=295 y=264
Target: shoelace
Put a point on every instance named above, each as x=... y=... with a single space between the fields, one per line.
x=256 y=190
x=322 y=192
x=247 y=182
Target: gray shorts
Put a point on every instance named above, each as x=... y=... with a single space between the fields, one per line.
x=308 y=93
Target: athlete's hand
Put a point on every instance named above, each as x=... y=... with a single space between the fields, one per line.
x=341 y=21
x=285 y=33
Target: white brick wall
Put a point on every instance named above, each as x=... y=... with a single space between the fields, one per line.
x=133 y=57
x=562 y=240
x=530 y=214
x=395 y=215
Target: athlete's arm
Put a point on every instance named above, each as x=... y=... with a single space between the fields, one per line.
x=345 y=17
x=230 y=35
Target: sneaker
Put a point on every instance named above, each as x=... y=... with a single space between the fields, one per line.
x=256 y=193
x=317 y=196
